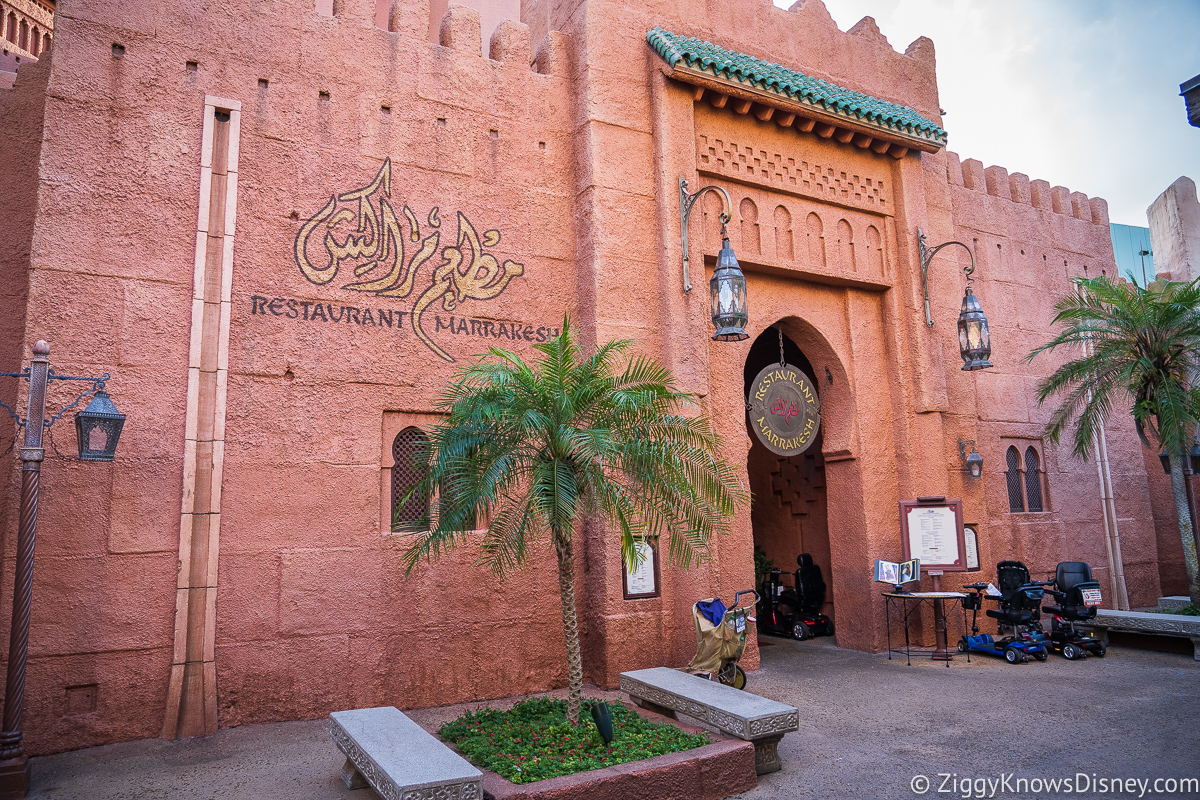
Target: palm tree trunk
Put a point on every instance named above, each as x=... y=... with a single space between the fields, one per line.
x=1185 y=527
x=566 y=591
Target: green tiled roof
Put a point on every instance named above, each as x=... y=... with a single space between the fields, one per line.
x=788 y=83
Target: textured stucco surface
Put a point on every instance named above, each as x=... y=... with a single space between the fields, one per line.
x=562 y=153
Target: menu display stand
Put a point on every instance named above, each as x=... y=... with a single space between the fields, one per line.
x=931 y=529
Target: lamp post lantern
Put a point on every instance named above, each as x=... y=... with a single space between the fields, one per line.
x=99 y=429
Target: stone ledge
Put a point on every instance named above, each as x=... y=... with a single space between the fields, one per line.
x=1148 y=622
x=741 y=714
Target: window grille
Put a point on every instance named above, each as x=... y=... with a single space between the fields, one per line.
x=1016 y=502
x=410 y=453
x=1033 y=480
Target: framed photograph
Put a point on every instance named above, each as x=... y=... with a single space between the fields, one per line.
x=971 y=540
x=931 y=530
x=642 y=581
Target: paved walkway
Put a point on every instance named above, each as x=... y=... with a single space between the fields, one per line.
x=868 y=726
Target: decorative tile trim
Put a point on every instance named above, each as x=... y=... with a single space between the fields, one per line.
x=708 y=65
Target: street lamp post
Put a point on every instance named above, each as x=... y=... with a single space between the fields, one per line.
x=14 y=763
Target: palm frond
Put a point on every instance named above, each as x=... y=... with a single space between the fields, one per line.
x=1138 y=346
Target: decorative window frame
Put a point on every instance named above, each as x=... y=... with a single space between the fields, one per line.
x=1022 y=444
x=393 y=423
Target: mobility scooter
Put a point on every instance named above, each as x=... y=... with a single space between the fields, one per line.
x=795 y=612
x=1020 y=602
x=1078 y=596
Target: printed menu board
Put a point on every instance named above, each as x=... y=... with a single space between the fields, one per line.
x=932 y=532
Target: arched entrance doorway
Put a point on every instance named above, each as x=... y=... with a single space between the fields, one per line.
x=789 y=511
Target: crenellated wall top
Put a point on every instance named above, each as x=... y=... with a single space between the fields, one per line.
x=1019 y=188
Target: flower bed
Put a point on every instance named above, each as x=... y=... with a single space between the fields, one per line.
x=533 y=740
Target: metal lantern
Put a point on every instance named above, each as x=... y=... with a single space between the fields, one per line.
x=974 y=343
x=1193 y=458
x=98 y=427
x=727 y=293
x=974 y=461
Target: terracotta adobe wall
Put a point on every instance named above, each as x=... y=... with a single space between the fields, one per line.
x=1030 y=240
x=234 y=565
x=305 y=610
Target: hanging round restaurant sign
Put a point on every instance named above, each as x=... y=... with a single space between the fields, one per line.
x=784 y=410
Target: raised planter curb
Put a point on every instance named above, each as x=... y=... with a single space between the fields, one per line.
x=711 y=772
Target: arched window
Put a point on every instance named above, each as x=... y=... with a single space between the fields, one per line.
x=1033 y=480
x=1016 y=502
x=10 y=30
x=35 y=41
x=45 y=42
x=410 y=465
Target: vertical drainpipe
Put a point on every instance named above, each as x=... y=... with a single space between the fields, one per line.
x=1112 y=537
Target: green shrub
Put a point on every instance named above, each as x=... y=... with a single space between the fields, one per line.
x=533 y=740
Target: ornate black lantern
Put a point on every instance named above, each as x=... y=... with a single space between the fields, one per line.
x=974 y=343
x=727 y=288
x=98 y=427
x=727 y=294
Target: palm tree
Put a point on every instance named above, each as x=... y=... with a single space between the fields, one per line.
x=1140 y=346
x=535 y=448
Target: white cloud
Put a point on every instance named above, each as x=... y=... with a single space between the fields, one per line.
x=1082 y=93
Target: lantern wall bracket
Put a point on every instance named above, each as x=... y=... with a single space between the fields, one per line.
x=686 y=201
x=98 y=385
x=973 y=463
x=927 y=255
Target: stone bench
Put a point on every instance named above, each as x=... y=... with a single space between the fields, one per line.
x=735 y=712
x=1147 y=622
x=399 y=759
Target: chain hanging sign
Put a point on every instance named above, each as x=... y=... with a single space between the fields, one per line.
x=784 y=409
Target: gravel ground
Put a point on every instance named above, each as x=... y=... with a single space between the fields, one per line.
x=868 y=727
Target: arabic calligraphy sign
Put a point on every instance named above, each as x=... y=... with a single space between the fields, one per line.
x=360 y=230
x=784 y=409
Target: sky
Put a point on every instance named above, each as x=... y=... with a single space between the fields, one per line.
x=1081 y=93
